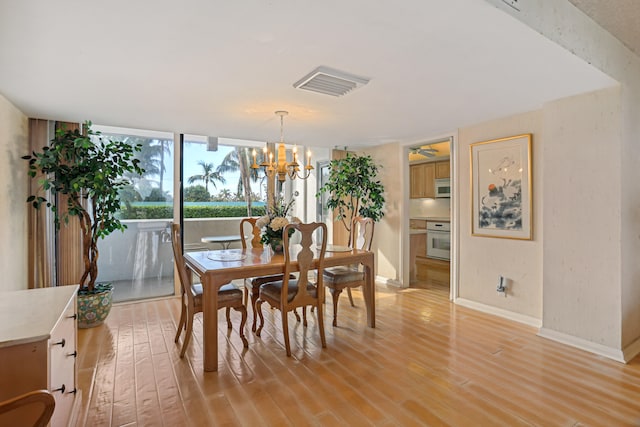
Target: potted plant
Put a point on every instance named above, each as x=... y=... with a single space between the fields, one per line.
x=89 y=172
x=353 y=189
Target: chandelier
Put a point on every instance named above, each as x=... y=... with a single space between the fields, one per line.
x=280 y=166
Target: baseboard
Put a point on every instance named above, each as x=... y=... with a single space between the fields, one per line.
x=631 y=351
x=381 y=280
x=586 y=345
x=517 y=317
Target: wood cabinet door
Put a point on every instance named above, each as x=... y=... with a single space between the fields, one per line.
x=429 y=180
x=422 y=180
x=416 y=174
x=443 y=170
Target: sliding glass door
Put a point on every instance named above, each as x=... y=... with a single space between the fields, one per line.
x=139 y=261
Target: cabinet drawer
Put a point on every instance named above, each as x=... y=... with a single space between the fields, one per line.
x=62 y=366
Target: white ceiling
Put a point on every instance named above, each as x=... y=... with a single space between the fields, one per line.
x=222 y=68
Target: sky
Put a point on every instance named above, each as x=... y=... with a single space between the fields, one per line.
x=193 y=153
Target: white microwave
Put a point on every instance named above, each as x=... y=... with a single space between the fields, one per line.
x=443 y=187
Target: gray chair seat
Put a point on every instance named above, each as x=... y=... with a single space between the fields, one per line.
x=226 y=293
x=273 y=289
x=341 y=274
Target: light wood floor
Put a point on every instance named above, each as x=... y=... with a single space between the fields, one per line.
x=428 y=362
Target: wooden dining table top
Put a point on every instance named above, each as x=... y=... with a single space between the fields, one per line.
x=258 y=262
x=218 y=267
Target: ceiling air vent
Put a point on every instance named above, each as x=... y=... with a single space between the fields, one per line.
x=330 y=82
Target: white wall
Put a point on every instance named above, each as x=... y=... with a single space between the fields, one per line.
x=564 y=24
x=582 y=205
x=387 y=239
x=482 y=259
x=13 y=193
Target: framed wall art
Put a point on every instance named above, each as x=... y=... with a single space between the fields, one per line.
x=501 y=188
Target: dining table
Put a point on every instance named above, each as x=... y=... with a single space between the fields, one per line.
x=218 y=267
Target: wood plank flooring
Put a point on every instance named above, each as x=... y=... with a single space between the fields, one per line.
x=427 y=363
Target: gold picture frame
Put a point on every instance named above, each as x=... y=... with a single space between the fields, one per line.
x=501 y=188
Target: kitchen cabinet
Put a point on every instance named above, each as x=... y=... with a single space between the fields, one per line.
x=443 y=170
x=422 y=180
x=417 y=224
x=38 y=347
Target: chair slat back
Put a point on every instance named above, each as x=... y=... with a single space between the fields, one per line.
x=255 y=232
x=362 y=233
x=176 y=244
x=304 y=253
x=27 y=403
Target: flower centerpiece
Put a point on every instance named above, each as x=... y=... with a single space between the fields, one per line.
x=273 y=223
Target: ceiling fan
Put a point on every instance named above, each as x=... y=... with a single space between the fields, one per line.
x=424 y=151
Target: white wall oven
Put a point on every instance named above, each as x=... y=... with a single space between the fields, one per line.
x=439 y=240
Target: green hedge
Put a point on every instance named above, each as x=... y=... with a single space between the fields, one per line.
x=166 y=212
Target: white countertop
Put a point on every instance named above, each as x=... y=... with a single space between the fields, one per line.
x=417 y=231
x=30 y=315
x=433 y=218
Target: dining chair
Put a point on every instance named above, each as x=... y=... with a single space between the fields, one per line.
x=229 y=296
x=252 y=284
x=288 y=294
x=38 y=403
x=346 y=277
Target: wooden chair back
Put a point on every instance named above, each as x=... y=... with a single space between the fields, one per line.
x=185 y=279
x=17 y=410
x=255 y=233
x=362 y=233
x=304 y=255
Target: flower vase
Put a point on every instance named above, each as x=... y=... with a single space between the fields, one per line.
x=276 y=245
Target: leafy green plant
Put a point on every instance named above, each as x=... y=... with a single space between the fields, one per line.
x=90 y=173
x=353 y=189
x=196 y=193
x=133 y=211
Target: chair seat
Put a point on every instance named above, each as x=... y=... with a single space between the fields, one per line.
x=226 y=293
x=273 y=289
x=341 y=274
x=256 y=282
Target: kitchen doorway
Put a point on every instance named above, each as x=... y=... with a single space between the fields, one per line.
x=430 y=216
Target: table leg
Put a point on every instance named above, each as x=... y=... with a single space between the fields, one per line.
x=369 y=291
x=210 y=323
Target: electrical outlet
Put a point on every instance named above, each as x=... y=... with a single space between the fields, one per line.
x=502 y=285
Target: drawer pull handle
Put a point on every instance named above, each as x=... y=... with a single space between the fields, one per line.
x=60 y=343
x=74 y=354
x=61 y=389
x=72 y=391
x=75 y=316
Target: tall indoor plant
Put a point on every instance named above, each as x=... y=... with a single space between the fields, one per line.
x=89 y=172
x=353 y=189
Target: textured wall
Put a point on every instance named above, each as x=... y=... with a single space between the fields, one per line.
x=562 y=23
x=387 y=241
x=13 y=193
x=582 y=205
x=483 y=259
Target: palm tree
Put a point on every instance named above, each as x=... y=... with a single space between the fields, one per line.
x=151 y=156
x=239 y=160
x=208 y=175
x=224 y=195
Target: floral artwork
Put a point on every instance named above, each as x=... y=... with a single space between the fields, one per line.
x=501 y=187
x=272 y=224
